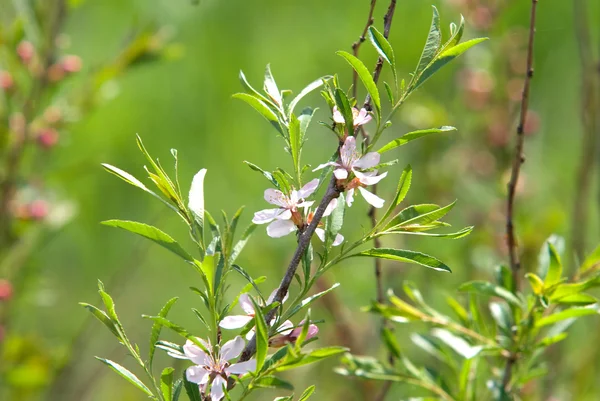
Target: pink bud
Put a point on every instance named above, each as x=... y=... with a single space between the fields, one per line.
x=6 y=290
x=48 y=138
x=313 y=330
x=38 y=209
x=6 y=80
x=71 y=63
x=25 y=50
x=55 y=72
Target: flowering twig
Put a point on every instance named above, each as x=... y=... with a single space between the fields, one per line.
x=356 y=45
x=515 y=263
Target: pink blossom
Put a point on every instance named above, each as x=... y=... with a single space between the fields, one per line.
x=360 y=117
x=239 y=321
x=6 y=290
x=291 y=335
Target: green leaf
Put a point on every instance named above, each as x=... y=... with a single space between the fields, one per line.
x=489 y=289
x=555 y=268
x=577 y=299
x=262 y=108
x=537 y=285
x=239 y=246
x=156 y=329
x=334 y=222
x=456 y=235
x=253 y=91
x=405 y=256
x=432 y=45
x=419 y=215
x=262 y=336
x=309 y=88
x=459 y=345
x=196 y=201
x=271 y=87
x=307 y=301
x=103 y=317
x=343 y=105
x=127 y=375
x=177 y=389
x=391 y=342
x=384 y=49
x=268 y=175
x=307 y=393
x=444 y=58
x=565 y=314
x=295 y=141
x=592 y=261
x=153 y=234
x=411 y=136
x=365 y=76
x=166 y=383
x=209 y=268
x=272 y=382
x=401 y=191
x=192 y=389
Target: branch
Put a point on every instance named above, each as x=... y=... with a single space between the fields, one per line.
x=333 y=191
x=515 y=263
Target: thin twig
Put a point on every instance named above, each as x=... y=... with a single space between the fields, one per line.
x=356 y=45
x=515 y=263
x=589 y=107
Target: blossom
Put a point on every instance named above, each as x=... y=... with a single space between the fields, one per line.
x=286 y=217
x=290 y=335
x=339 y=238
x=360 y=117
x=351 y=162
x=239 y=321
x=212 y=367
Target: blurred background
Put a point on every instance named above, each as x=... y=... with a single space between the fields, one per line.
x=176 y=93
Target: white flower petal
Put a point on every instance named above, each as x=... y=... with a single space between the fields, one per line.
x=195 y=353
x=196 y=195
x=246 y=304
x=322 y=166
x=320 y=233
x=362 y=118
x=232 y=348
x=242 y=367
x=339 y=238
x=235 y=321
x=368 y=179
x=250 y=334
x=267 y=215
x=196 y=374
x=337 y=116
x=369 y=160
x=308 y=189
x=304 y=204
x=216 y=389
x=286 y=328
x=350 y=197
x=280 y=228
x=372 y=199
x=331 y=207
x=286 y=215
x=340 y=173
x=276 y=197
x=348 y=153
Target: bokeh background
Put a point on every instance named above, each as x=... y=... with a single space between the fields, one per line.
x=183 y=101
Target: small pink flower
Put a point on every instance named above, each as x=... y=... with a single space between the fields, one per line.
x=6 y=80
x=212 y=366
x=351 y=162
x=360 y=117
x=25 y=50
x=291 y=335
x=71 y=63
x=339 y=238
x=6 y=290
x=239 y=321
x=48 y=138
x=38 y=209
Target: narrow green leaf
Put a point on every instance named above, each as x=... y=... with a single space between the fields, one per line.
x=577 y=300
x=537 y=285
x=343 y=105
x=271 y=87
x=253 y=91
x=192 y=390
x=262 y=336
x=565 y=314
x=156 y=329
x=391 y=342
x=127 y=375
x=272 y=382
x=385 y=50
x=432 y=45
x=268 y=175
x=489 y=289
x=411 y=136
x=307 y=393
x=153 y=234
x=365 y=76
x=309 y=88
x=103 y=317
x=307 y=301
x=401 y=191
x=166 y=383
x=262 y=108
x=555 y=268
x=405 y=256
x=592 y=261
x=177 y=390
x=455 y=235
x=239 y=246
x=295 y=142
x=419 y=215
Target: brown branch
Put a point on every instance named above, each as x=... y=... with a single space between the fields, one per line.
x=588 y=107
x=333 y=191
x=515 y=263
x=356 y=45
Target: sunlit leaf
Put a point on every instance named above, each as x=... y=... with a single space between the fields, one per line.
x=489 y=289
x=411 y=136
x=401 y=255
x=156 y=329
x=565 y=314
x=365 y=76
x=127 y=375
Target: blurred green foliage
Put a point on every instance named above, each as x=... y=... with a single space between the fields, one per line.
x=184 y=102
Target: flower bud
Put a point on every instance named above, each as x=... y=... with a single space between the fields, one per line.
x=25 y=50
x=38 y=209
x=48 y=138
x=6 y=290
x=55 y=72
x=6 y=80
x=71 y=63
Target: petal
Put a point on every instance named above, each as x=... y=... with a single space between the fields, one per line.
x=272 y=296
x=369 y=179
x=196 y=374
x=348 y=152
x=340 y=173
x=304 y=204
x=216 y=388
x=235 y=322
x=308 y=189
x=232 y=348
x=250 y=334
x=242 y=367
x=286 y=328
x=372 y=199
x=320 y=233
x=322 y=166
x=280 y=228
x=339 y=238
x=337 y=116
x=362 y=118
x=195 y=353
x=331 y=207
x=286 y=215
x=266 y=215
x=246 y=304
x=349 y=197
x=369 y=160
x=276 y=197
